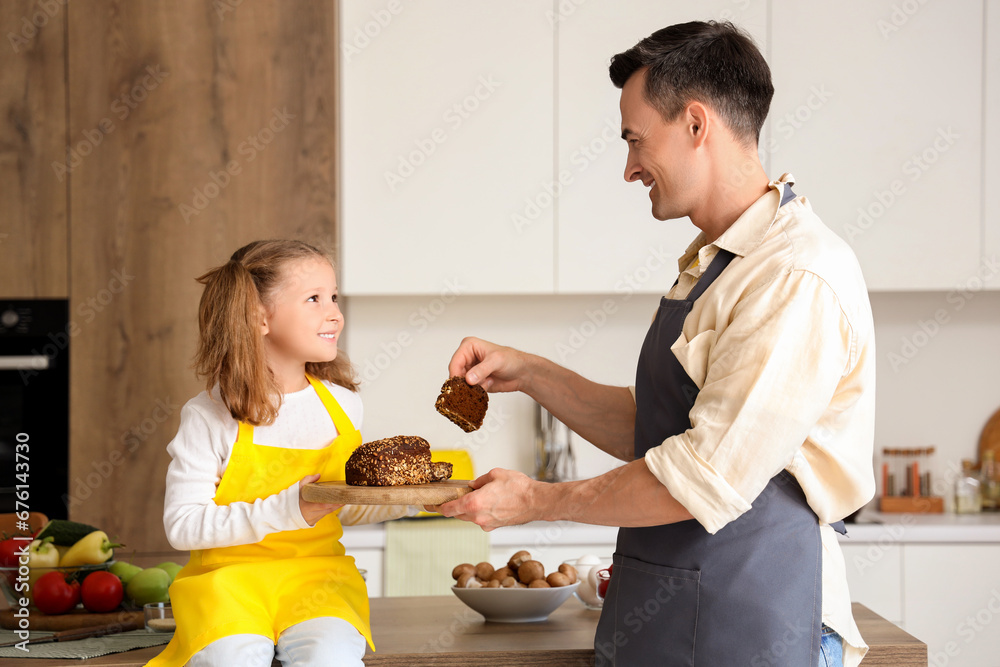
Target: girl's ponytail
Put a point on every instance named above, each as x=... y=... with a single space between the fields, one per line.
x=231 y=348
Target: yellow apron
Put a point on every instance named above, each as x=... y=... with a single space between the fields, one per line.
x=286 y=578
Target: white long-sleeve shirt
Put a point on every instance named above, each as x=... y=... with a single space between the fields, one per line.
x=200 y=452
x=782 y=349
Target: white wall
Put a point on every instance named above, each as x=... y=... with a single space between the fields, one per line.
x=933 y=388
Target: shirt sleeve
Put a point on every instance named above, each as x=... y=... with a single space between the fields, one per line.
x=191 y=518
x=770 y=375
x=355 y=515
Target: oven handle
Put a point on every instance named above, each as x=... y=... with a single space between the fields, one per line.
x=30 y=362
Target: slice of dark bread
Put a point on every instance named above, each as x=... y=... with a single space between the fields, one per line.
x=463 y=403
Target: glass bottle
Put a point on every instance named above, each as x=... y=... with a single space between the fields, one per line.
x=989 y=483
x=968 y=499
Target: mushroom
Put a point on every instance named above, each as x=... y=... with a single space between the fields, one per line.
x=569 y=571
x=502 y=573
x=530 y=570
x=538 y=583
x=463 y=569
x=468 y=580
x=557 y=579
x=515 y=561
x=484 y=571
x=508 y=582
x=492 y=583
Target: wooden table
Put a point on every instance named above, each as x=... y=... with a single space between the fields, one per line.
x=441 y=631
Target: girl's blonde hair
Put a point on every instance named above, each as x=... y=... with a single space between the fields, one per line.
x=230 y=345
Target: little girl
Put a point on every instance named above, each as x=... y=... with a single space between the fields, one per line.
x=267 y=575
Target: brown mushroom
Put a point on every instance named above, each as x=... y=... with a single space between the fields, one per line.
x=492 y=583
x=468 y=580
x=539 y=583
x=484 y=571
x=462 y=569
x=515 y=561
x=557 y=579
x=569 y=571
x=508 y=582
x=502 y=573
x=530 y=570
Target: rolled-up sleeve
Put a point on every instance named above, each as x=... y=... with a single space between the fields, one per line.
x=769 y=376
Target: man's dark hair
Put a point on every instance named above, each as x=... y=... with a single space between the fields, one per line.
x=714 y=62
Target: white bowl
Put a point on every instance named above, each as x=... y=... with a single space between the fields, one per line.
x=515 y=605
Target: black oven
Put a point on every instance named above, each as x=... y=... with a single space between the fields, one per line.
x=34 y=405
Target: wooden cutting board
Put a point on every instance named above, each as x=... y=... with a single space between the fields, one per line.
x=70 y=621
x=434 y=493
x=990 y=439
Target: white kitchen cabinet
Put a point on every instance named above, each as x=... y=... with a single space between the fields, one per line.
x=878 y=114
x=446 y=126
x=952 y=598
x=991 y=250
x=875 y=576
x=373 y=561
x=608 y=240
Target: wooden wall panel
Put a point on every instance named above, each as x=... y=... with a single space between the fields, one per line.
x=32 y=136
x=218 y=128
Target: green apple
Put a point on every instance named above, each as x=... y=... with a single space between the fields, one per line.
x=124 y=571
x=147 y=586
x=170 y=568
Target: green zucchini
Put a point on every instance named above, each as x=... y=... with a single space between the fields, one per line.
x=65 y=533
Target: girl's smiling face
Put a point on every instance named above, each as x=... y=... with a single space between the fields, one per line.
x=302 y=321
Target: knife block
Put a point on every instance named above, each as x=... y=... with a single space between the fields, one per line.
x=911 y=505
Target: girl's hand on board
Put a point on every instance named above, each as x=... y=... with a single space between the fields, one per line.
x=313 y=512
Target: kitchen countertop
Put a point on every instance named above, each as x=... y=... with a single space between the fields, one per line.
x=924 y=528
x=872 y=527
x=441 y=631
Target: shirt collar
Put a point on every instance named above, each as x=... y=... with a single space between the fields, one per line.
x=749 y=229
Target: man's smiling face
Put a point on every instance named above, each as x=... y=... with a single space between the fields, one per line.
x=660 y=154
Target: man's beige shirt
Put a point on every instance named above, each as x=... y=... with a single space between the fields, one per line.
x=782 y=349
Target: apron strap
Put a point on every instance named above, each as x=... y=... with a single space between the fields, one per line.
x=719 y=263
x=787 y=195
x=244 y=435
x=340 y=418
x=839 y=527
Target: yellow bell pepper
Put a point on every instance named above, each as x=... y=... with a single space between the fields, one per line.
x=93 y=549
x=42 y=553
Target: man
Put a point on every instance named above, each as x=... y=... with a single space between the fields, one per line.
x=750 y=427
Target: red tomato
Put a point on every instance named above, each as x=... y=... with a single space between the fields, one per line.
x=603 y=582
x=52 y=594
x=101 y=591
x=10 y=551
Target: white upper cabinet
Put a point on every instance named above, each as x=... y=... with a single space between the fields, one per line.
x=480 y=145
x=878 y=114
x=446 y=127
x=608 y=240
x=991 y=251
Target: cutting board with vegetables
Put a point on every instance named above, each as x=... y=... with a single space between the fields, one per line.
x=340 y=492
x=68 y=576
x=72 y=620
x=990 y=438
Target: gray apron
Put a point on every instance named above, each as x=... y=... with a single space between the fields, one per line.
x=749 y=595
